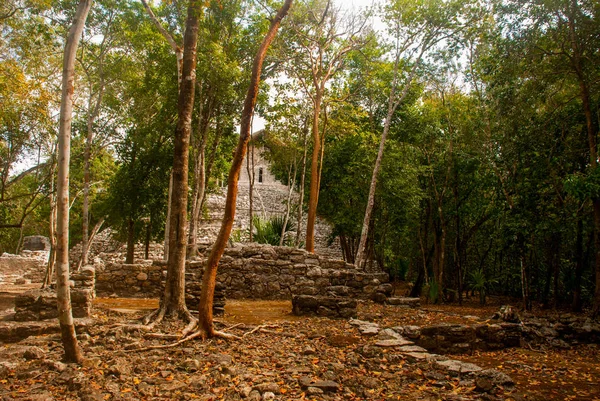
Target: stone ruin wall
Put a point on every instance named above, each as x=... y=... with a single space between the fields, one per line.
x=40 y=304
x=251 y=271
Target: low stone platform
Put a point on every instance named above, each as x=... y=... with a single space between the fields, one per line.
x=324 y=306
x=40 y=304
x=458 y=339
x=404 y=301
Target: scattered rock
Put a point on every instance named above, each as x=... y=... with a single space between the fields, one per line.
x=308 y=351
x=455 y=367
x=324 y=385
x=221 y=359
x=33 y=353
x=488 y=379
x=393 y=343
x=313 y=391
x=507 y=314
x=267 y=387
x=411 y=348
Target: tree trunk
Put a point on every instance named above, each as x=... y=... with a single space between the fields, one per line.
x=393 y=104
x=148 y=237
x=199 y=182
x=250 y=171
x=291 y=181
x=314 y=175
x=65 y=316
x=87 y=155
x=577 y=306
x=302 y=178
x=52 y=231
x=130 y=241
x=205 y=317
x=577 y=61
x=173 y=300
x=168 y=220
x=557 y=240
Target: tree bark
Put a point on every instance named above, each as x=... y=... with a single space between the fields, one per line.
x=393 y=104
x=169 y=38
x=72 y=350
x=314 y=175
x=577 y=305
x=173 y=300
x=577 y=61
x=199 y=181
x=291 y=181
x=250 y=171
x=205 y=317
x=168 y=220
x=129 y=256
x=302 y=178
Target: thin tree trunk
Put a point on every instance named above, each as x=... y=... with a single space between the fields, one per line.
x=314 y=175
x=89 y=241
x=93 y=112
x=52 y=231
x=65 y=315
x=199 y=183
x=393 y=104
x=250 y=171
x=577 y=305
x=205 y=322
x=302 y=178
x=148 y=237
x=129 y=256
x=291 y=181
x=169 y=38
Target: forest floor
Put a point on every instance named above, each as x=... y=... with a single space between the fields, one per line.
x=281 y=360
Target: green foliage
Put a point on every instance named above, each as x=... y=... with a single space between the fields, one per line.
x=584 y=186
x=268 y=231
x=480 y=283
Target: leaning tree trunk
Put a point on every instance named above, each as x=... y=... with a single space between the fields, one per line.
x=65 y=316
x=393 y=104
x=205 y=318
x=173 y=300
x=250 y=171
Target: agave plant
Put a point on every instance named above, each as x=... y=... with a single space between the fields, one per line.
x=268 y=231
x=481 y=284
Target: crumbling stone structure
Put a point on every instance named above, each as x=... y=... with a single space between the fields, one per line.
x=253 y=271
x=41 y=304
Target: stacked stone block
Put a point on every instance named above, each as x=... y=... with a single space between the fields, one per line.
x=42 y=304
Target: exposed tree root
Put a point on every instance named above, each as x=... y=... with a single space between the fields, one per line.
x=199 y=333
x=146 y=319
x=156 y=317
x=261 y=328
x=226 y=336
x=161 y=336
x=232 y=327
x=191 y=326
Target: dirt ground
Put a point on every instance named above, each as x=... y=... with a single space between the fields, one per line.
x=279 y=361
